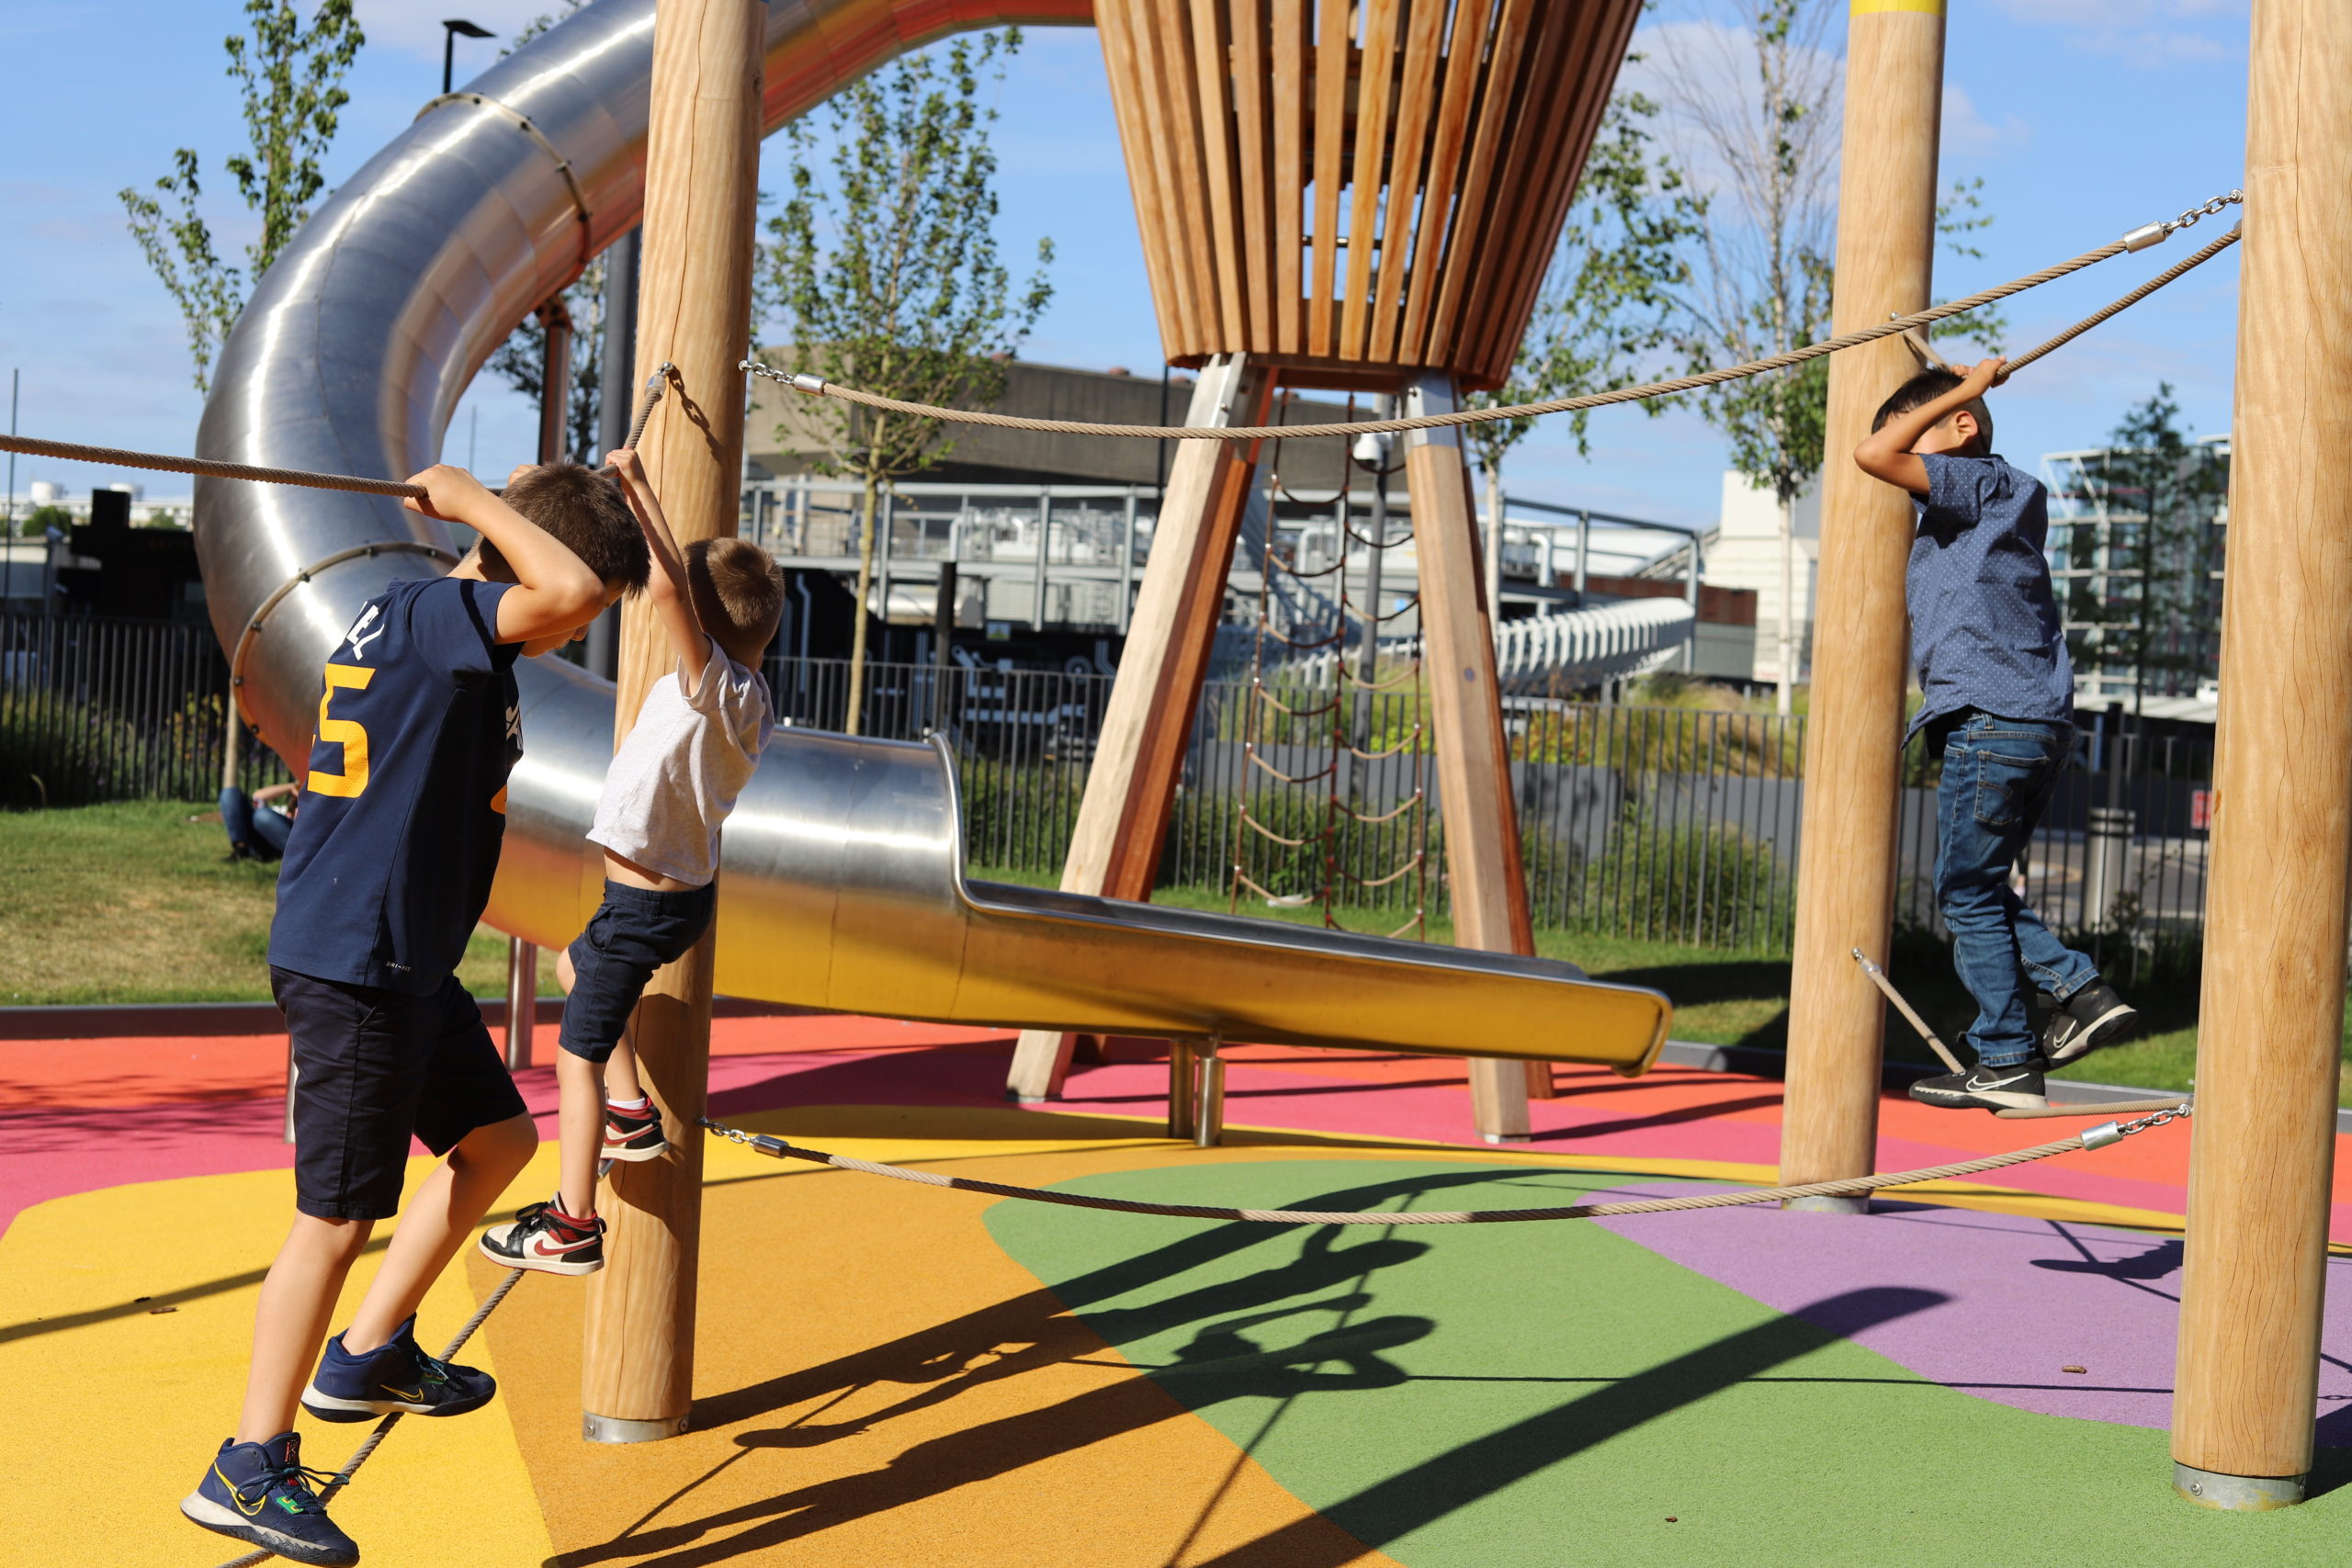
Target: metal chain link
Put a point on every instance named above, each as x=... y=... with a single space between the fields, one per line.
x=2212 y=209
x=2149 y=1124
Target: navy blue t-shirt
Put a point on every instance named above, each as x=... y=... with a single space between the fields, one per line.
x=390 y=860
x=1984 y=626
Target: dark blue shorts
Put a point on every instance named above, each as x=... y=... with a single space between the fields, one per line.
x=633 y=932
x=372 y=1066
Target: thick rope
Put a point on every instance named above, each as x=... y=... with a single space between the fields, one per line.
x=817 y=387
x=2097 y=1138
x=359 y=1457
x=2096 y=316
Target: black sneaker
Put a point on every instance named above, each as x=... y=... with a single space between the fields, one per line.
x=2015 y=1087
x=396 y=1375
x=2091 y=1018
x=633 y=1135
x=544 y=1237
x=259 y=1494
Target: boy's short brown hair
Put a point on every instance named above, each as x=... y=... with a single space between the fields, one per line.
x=737 y=594
x=1924 y=389
x=585 y=512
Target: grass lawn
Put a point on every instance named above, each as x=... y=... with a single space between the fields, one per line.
x=135 y=903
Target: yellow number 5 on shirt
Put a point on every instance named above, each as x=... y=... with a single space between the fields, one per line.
x=348 y=732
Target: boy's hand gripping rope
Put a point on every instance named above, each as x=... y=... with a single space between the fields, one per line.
x=2138 y=239
x=2092 y=1138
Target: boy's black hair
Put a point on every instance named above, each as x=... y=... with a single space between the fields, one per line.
x=1924 y=389
x=585 y=512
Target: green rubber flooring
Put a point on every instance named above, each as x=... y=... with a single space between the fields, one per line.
x=1494 y=1396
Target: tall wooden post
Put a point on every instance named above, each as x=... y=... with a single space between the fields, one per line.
x=1486 y=884
x=1886 y=231
x=1123 y=819
x=2272 y=1012
x=695 y=307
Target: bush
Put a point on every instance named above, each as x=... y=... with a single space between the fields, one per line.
x=1708 y=884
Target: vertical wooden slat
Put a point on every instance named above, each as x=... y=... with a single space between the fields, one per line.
x=1291 y=54
x=1331 y=50
x=1407 y=158
x=1495 y=97
x=1186 y=133
x=1171 y=152
x=1465 y=50
x=1376 y=98
x=1213 y=99
x=1114 y=20
x=1507 y=238
x=1252 y=153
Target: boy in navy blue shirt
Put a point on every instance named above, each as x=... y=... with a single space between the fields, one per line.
x=2000 y=701
x=387 y=871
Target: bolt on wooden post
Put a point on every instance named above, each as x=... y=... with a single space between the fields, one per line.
x=1886 y=231
x=693 y=312
x=2271 y=1017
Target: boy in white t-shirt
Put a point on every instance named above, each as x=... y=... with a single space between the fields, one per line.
x=693 y=746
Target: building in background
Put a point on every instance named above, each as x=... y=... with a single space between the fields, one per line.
x=1745 y=553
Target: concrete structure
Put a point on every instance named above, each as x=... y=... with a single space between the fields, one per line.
x=1746 y=553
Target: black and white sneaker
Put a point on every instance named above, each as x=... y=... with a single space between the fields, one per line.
x=2092 y=1018
x=2015 y=1088
x=544 y=1237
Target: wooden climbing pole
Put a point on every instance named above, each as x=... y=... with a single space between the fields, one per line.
x=2270 y=1023
x=1886 y=231
x=695 y=313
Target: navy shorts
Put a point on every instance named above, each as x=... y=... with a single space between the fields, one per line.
x=372 y=1066
x=633 y=932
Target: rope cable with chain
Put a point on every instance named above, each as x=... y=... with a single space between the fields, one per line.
x=2091 y=1138
x=2137 y=240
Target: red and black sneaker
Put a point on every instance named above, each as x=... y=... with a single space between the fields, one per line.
x=544 y=1237
x=633 y=1135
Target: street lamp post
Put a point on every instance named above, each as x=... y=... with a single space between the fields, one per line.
x=450 y=31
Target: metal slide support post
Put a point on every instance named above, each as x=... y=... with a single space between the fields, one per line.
x=522 y=1000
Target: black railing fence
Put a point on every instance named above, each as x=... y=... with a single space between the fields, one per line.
x=1664 y=823
x=94 y=709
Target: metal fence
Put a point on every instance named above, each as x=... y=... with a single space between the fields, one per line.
x=1664 y=823
x=96 y=709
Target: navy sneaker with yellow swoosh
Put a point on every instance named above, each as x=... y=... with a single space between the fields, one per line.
x=396 y=1375
x=259 y=1494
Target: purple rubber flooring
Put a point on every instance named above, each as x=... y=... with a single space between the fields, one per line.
x=2026 y=1298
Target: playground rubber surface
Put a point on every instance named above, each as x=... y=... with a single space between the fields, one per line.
x=910 y=1377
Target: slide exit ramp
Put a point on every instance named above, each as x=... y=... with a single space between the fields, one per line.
x=841 y=884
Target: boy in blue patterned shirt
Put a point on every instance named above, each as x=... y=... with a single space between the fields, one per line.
x=2001 y=703
x=386 y=870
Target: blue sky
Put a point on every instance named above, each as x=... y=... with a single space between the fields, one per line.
x=2084 y=117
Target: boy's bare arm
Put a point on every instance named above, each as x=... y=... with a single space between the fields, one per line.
x=1885 y=453
x=667 y=586
x=553 y=591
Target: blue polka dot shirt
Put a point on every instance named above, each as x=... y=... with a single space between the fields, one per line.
x=1984 y=626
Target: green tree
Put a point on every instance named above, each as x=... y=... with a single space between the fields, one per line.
x=1605 y=310
x=2155 y=494
x=290 y=75
x=889 y=278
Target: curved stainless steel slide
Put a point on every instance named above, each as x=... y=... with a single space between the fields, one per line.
x=842 y=884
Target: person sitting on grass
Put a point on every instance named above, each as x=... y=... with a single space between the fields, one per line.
x=697 y=741
x=386 y=870
x=2000 y=705
x=258 y=824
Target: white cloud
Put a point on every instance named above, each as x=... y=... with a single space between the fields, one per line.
x=413 y=27
x=1967 y=131
x=2134 y=32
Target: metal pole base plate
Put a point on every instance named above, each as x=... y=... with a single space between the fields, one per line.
x=1856 y=1205
x=2243 y=1493
x=1508 y=1137
x=614 y=1430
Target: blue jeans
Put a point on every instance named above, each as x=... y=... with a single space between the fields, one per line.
x=255 y=831
x=1998 y=775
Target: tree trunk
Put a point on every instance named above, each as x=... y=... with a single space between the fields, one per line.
x=854 y=723
x=1788 y=607
x=1495 y=542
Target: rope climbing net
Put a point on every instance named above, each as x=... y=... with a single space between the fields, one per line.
x=1370 y=846
x=2096 y=1137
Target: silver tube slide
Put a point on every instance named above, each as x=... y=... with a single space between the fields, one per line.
x=840 y=883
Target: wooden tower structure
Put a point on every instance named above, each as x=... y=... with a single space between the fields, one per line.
x=1357 y=195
